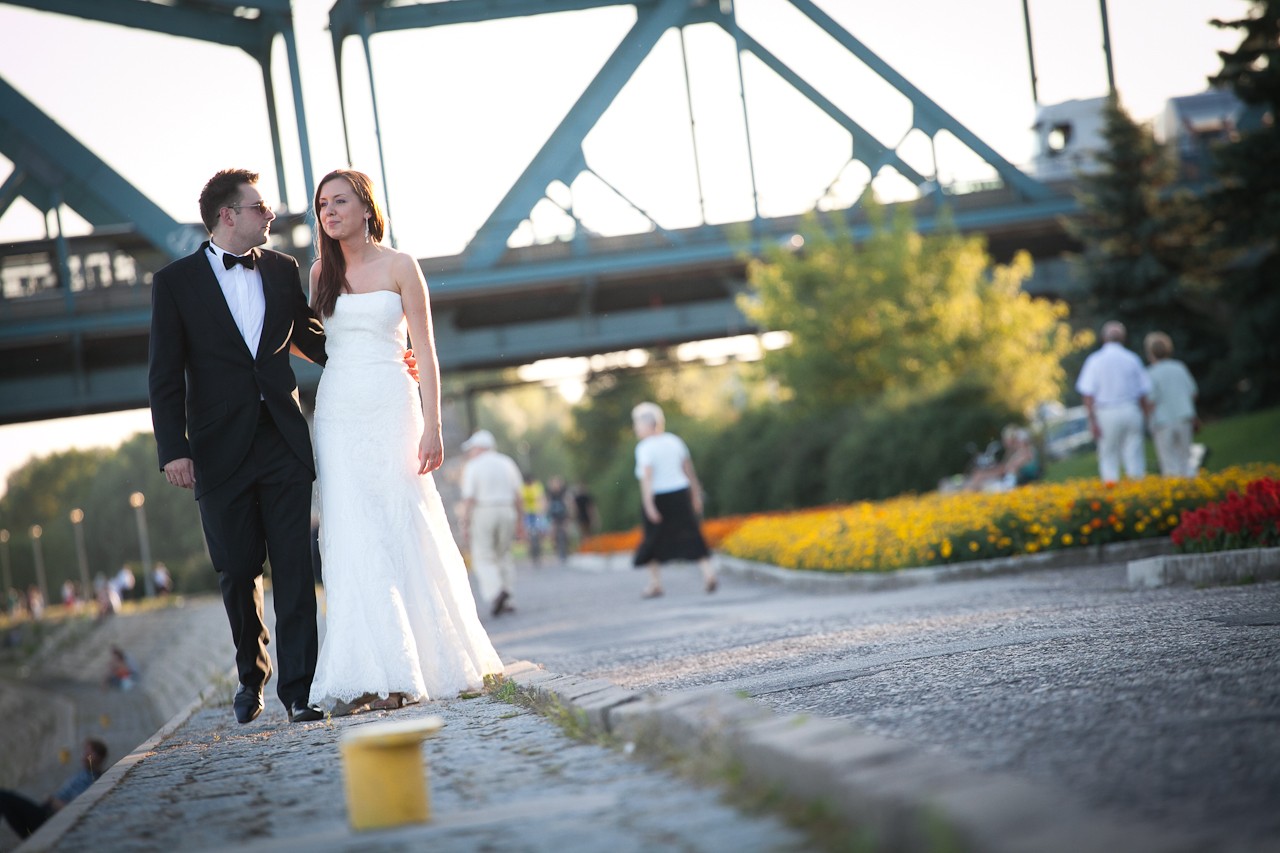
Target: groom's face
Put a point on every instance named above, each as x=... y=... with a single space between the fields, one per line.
x=252 y=217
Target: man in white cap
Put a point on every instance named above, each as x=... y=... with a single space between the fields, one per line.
x=491 y=518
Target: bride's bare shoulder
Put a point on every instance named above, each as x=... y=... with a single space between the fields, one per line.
x=404 y=267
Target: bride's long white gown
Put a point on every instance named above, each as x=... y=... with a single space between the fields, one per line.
x=400 y=614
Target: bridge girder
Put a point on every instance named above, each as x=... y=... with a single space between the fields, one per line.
x=250 y=26
x=561 y=159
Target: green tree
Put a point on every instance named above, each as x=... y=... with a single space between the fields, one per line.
x=902 y=315
x=1146 y=258
x=1247 y=202
x=99 y=482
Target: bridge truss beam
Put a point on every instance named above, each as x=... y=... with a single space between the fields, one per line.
x=250 y=26
x=560 y=159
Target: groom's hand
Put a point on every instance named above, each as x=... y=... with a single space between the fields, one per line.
x=181 y=473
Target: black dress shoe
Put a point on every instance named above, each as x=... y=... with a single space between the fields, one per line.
x=301 y=712
x=500 y=603
x=248 y=704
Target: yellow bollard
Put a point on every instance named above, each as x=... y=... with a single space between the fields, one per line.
x=386 y=772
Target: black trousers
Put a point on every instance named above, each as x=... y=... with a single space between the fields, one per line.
x=23 y=814
x=264 y=511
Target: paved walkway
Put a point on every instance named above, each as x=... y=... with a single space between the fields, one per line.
x=1052 y=711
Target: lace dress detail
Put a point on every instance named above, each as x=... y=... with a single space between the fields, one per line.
x=400 y=613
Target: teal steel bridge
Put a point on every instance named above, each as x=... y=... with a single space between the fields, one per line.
x=74 y=310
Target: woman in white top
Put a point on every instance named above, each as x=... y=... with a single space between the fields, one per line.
x=1173 y=414
x=672 y=500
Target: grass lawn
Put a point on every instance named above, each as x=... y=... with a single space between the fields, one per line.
x=1239 y=440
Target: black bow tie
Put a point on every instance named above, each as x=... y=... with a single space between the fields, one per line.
x=229 y=260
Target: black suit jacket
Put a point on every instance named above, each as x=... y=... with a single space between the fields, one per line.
x=205 y=385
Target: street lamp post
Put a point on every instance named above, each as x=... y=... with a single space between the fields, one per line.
x=6 y=574
x=38 y=551
x=136 y=500
x=77 y=524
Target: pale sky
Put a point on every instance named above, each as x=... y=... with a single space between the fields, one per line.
x=465 y=108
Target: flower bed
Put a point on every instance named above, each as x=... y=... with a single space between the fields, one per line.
x=1242 y=520
x=937 y=529
x=714 y=530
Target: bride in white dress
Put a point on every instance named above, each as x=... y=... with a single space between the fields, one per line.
x=401 y=621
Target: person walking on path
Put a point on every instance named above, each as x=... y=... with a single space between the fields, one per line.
x=671 y=500
x=558 y=502
x=1117 y=392
x=25 y=815
x=224 y=404
x=584 y=510
x=491 y=518
x=1173 y=406
x=534 y=502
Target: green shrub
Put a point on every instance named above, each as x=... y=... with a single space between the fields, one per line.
x=899 y=449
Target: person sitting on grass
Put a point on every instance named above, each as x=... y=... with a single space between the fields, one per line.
x=26 y=815
x=1019 y=464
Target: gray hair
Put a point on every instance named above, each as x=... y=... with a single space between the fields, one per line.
x=1113 y=331
x=649 y=414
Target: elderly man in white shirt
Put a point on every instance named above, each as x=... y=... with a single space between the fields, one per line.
x=491 y=518
x=1117 y=395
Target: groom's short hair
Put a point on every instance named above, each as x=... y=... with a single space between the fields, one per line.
x=221 y=190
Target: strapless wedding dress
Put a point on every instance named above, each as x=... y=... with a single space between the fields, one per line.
x=400 y=616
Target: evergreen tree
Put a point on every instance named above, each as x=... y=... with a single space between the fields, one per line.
x=1146 y=260
x=1247 y=202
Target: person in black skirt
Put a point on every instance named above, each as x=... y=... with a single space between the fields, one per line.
x=671 y=498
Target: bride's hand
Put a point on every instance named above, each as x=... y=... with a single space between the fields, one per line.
x=430 y=452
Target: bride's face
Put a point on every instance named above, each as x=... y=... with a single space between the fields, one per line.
x=341 y=212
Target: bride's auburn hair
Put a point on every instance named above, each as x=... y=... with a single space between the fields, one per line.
x=333 y=264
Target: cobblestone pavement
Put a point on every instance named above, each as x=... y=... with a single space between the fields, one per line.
x=501 y=778
x=1159 y=705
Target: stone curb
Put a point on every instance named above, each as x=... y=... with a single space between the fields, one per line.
x=893 y=794
x=1093 y=555
x=1248 y=565
x=48 y=836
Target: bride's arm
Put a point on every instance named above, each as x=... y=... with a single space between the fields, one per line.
x=417 y=310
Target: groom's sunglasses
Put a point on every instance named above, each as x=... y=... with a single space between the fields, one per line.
x=261 y=206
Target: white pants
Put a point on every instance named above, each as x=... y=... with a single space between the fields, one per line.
x=1121 y=441
x=493 y=531
x=1173 y=447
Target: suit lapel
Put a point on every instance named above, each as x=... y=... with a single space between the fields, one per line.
x=206 y=286
x=271 y=295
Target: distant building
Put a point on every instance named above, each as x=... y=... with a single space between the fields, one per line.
x=1068 y=138
x=1069 y=134
x=1191 y=125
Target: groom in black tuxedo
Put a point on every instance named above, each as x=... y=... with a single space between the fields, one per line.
x=224 y=403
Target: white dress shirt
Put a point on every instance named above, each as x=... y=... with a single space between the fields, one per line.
x=242 y=288
x=1113 y=376
x=491 y=479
